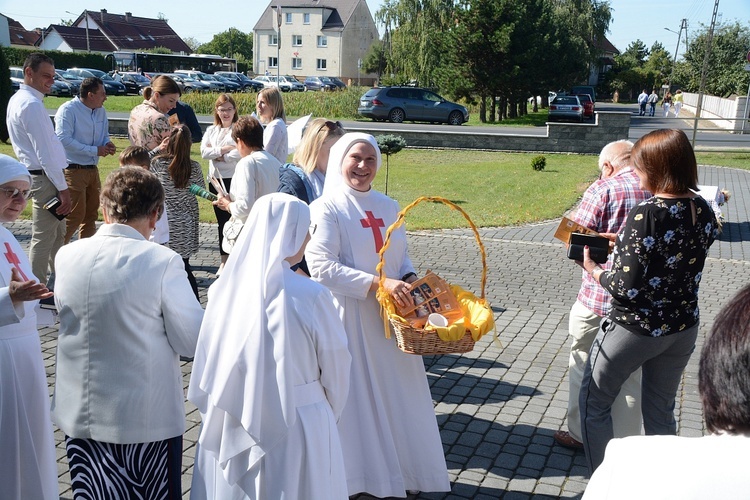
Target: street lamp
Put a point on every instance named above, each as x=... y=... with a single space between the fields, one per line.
x=85 y=13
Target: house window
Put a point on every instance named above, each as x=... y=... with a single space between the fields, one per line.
x=296 y=40
x=273 y=39
x=306 y=18
x=273 y=62
x=322 y=65
x=296 y=63
x=322 y=41
x=288 y=18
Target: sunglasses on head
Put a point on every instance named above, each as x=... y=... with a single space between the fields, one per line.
x=332 y=126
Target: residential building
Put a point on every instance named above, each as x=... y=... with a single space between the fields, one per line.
x=604 y=63
x=12 y=34
x=105 y=32
x=318 y=38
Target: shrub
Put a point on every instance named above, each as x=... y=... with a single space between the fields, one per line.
x=390 y=144
x=538 y=163
x=5 y=92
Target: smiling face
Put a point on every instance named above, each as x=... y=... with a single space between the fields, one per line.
x=11 y=207
x=95 y=100
x=360 y=166
x=165 y=102
x=41 y=79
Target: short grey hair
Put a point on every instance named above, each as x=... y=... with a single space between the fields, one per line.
x=617 y=153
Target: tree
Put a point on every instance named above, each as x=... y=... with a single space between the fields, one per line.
x=230 y=43
x=726 y=74
x=192 y=42
x=5 y=92
x=158 y=50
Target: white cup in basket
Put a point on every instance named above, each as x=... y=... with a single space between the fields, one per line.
x=437 y=320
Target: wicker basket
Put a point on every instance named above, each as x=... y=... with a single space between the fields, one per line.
x=419 y=341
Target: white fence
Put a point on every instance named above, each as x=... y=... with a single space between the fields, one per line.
x=728 y=114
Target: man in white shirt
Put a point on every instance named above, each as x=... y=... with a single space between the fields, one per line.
x=642 y=100
x=82 y=126
x=38 y=148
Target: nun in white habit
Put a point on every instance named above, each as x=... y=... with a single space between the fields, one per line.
x=388 y=429
x=271 y=370
x=27 y=447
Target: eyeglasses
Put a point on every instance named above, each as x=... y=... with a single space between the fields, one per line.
x=313 y=228
x=16 y=193
x=224 y=110
x=332 y=126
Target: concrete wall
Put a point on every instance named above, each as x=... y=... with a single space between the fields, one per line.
x=560 y=137
x=724 y=113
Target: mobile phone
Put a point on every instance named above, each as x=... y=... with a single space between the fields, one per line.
x=52 y=205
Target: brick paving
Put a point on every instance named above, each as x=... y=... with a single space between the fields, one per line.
x=498 y=407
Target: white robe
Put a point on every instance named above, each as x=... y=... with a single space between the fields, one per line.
x=27 y=447
x=388 y=428
x=308 y=464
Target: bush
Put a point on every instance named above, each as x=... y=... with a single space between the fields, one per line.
x=538 y=163
x=390 y=144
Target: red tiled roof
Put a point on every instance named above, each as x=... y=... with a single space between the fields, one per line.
x=19 y=35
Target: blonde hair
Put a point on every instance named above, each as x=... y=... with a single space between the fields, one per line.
x=317 y=132
x=273 y=99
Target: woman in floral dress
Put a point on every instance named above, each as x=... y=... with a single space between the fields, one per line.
x=149 y=124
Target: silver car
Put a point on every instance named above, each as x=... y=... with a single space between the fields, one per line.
x=565 y=107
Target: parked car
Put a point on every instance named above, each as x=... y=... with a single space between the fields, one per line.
x=16 y=77
x=248 y=84
x=566 y=107
x=588 y=105
x=319 y=83
x=188 y=84
x=229 y=84
x=213 y=85
x=337 y=81
x=584 y=89
x=110 y=85
x=296 y=85
x=410 y=103
x=134 y=82
x=270 y=81
x=73 y=80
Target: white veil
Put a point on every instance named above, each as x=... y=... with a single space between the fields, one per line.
x=334 y=179
x=240 y=379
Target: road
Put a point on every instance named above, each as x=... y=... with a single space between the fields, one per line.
x=711 y=139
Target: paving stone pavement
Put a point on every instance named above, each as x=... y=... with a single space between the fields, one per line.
x=498 y=407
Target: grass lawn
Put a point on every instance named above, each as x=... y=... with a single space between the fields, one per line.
x=495 y=189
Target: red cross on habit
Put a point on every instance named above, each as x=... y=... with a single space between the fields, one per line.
x=374 y=224
x=12 y=259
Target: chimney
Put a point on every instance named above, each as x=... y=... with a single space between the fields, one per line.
x=127 y=16
x=103 y=13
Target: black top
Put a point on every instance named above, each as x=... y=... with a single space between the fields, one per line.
x=658 y=263
x=186 y=115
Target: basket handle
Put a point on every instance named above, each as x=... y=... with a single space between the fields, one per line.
x=400 y=221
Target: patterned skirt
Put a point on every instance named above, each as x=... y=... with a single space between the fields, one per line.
x=125 y=471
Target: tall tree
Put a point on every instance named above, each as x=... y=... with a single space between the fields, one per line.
x=726 y=74
x=230 y=43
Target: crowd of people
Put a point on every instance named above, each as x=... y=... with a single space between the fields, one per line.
x=300 y=393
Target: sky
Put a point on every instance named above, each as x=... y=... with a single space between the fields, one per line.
x=631 y=19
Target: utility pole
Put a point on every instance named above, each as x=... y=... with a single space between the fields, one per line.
x=683 y=26
x=704 y=71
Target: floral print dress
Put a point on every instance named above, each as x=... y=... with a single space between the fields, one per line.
x=147 y=126
x=658 y=264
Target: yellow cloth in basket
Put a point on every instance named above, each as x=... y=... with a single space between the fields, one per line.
x=478 y=317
